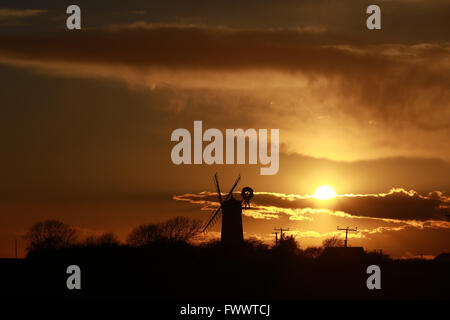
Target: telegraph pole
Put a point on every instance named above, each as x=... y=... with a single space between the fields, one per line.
x=15 y=246
x=346 y=232
x=281 y=232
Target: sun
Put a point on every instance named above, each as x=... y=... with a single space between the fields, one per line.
x=324 y=193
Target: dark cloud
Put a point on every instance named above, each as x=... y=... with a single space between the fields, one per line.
x=397 y=204
x=82 y=136
x=71 y=132
x=14 y=14
x=380 y=219
x=402 y=20
x=393 y=84
x=170 y=46
x=185 y=47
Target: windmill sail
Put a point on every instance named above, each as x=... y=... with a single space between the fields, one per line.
x=218 y=212
x=218 y=189
x=212 y=220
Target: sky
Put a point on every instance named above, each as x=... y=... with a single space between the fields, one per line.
x=87 y=116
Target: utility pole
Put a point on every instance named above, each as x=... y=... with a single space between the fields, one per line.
x=276 y=238
x=15 y=246
x=346 y=232
x=281 y=232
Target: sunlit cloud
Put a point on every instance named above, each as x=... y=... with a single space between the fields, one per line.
x=276 y=205
x=359 y=113
x=6 y=13
x=278 y=70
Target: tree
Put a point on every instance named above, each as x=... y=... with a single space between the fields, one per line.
x=313 y=252
x=50 y=234
x=288 y=245
x=255 y=244
x=333 y=242
x=179 y=229
x=105 y=239
x=144 y=235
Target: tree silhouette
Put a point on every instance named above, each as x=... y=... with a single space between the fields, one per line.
x=179 y=229
x=144 y=235
x=105 y=239
x=287 y=245
x=50 y=234
x=333 y=242
x=313 y=252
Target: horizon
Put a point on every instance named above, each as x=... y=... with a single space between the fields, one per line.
x=363 y=117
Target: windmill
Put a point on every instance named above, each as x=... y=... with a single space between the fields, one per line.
x=230 y=210
x=247 y=195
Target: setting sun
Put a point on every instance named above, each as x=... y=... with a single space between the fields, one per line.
x=324 y=193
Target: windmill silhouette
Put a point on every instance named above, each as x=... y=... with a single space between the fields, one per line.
x=230 y=210
x=247 y=195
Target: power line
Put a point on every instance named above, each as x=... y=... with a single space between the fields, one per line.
x=282 y=235
x=346 y=232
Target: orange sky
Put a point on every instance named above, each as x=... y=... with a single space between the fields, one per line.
x=87 y=116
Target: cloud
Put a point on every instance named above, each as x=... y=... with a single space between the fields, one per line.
x=310 y=222
x=398 y=203
x=306 y=49
x=307 y=63
x=396 y=206
x=209 y=202
x=8 y=14
x=190 y=48
x=355 y=100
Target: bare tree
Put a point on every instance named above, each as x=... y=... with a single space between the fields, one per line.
x=144 y=235
x=174 y=230
x=287 y=245
x=256 y=244
x=180 y=229
x=313 y=252
x=105 y=239
x=333 y=242
x=50 y=234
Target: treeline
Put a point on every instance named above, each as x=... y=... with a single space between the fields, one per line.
x=166 y=261
x=54 y=234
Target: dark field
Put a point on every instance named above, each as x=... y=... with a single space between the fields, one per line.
x=181 y=271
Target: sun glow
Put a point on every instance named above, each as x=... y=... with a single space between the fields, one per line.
x=324 y=193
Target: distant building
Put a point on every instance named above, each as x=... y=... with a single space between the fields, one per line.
x=443 y=257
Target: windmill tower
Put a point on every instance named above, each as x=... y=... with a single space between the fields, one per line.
x=231 y=211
